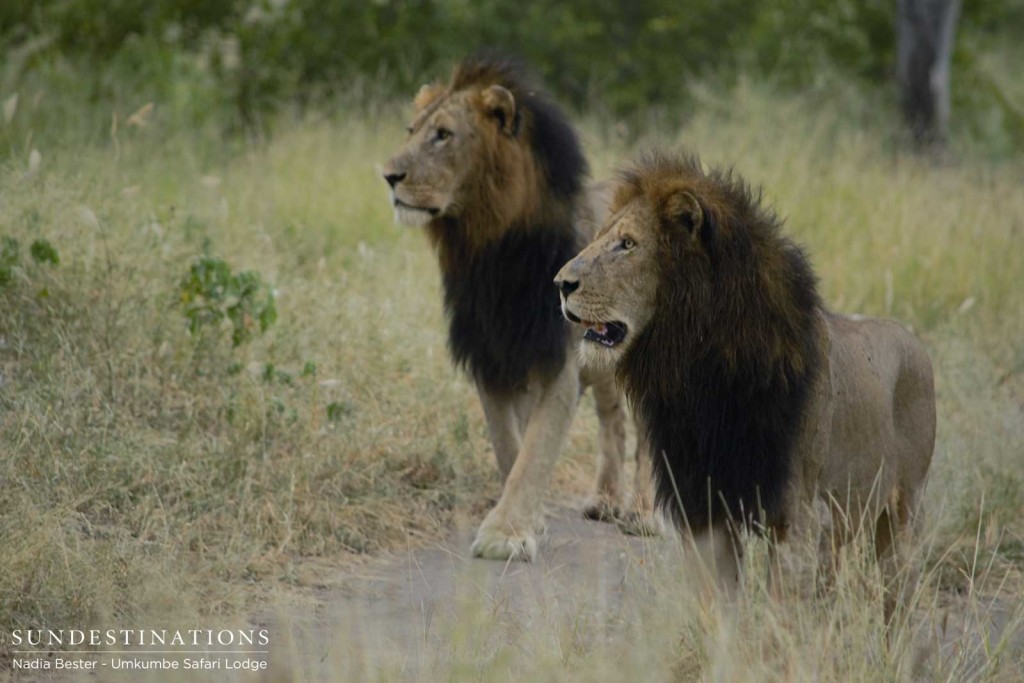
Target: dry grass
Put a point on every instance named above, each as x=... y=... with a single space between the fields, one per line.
x=147 y=474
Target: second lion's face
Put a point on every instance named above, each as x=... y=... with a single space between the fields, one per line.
x=428 y=172
x=461 y=152
x=610 y=287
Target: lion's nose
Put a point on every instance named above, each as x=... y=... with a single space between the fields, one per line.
x=567 y=287
x=394 y=178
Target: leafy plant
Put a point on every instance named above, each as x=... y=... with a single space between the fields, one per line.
x=9 y=260
x=211 y=294
x=44 y=252
x=338 y=410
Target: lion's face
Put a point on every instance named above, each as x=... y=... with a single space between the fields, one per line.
x=438 y=170
x=610 y=287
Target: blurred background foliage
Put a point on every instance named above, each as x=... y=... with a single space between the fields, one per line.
x=240 y=61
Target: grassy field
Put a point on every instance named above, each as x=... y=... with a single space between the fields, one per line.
x=153 y=472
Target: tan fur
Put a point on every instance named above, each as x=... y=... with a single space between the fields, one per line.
x=482 y=180
x=866 y=441
x=458 y=181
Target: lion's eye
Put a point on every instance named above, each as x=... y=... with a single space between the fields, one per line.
x=443 y=134
x=409 y=129
x=627 y=243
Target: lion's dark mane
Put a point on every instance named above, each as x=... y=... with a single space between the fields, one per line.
x=722 y=376
x=503 y=310
x=551 y=136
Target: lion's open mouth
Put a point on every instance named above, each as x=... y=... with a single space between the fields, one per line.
x=606 y=334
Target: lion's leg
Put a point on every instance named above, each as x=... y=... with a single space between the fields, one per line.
x=605 y=504
x=523 y=406
x=508 y=531
x=892 y=535
x=643 y=480
x=642 y=520
x=717 y=560
x=500 y=411
x=775 y=570
x=837 y=532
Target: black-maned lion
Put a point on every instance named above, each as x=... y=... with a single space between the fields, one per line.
x=495 y=173
x=760 y=405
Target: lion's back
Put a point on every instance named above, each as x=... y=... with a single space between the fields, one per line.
x=884 y=404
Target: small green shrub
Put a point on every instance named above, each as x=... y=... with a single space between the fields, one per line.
x=211 y=294
x=338 y=410
x=10 y=256
x=9 y=260
x=44 y=252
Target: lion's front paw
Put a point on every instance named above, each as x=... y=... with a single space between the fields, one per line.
x=641 y=524
x=601 y=509
x=495 y=543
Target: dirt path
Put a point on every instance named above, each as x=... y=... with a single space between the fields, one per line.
x=409 y=618
x=408 y=612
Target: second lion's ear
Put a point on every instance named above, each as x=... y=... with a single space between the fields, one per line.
x=681 y=208
x=499 y=102
x=427 y=94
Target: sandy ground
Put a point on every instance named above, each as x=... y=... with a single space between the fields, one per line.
x=406 y=618
x=406 y=615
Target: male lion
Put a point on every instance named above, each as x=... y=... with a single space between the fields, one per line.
x=758 y=402
x=495 y=173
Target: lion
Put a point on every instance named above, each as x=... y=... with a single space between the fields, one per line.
x=495 y=173
x=763 y=409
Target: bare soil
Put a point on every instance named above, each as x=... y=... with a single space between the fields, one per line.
x=406 y=614
x=411 y=616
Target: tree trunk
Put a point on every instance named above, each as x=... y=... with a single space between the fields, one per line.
x=925 y=35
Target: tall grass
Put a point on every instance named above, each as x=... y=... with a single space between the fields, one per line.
x=148 y=472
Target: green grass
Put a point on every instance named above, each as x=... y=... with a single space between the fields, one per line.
x=149 y=473
x=127 y=436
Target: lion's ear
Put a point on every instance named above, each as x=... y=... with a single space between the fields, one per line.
x=499 y=102
x=427 y=94
x=681 y=208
